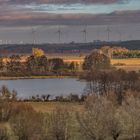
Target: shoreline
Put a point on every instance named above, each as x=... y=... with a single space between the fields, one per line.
x=35 y=77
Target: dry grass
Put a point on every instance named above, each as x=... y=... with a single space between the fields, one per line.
x=80 y=59
x=50 y=106
x=128 y=62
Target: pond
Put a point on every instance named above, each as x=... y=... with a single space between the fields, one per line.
x=53 y=86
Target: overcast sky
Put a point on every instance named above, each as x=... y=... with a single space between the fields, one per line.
x=18 y=17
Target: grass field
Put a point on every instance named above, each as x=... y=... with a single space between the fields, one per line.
x=50 y=106
x=128 y=62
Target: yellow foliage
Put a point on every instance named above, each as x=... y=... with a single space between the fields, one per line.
x=37 y=52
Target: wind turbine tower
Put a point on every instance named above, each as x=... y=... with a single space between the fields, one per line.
x=85 y=34
x=59 y=34
x=34 y=35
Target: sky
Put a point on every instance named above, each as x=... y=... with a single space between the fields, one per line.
x=47 y=17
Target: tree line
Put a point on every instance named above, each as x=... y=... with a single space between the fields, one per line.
x=129 y=54
x=37 y=64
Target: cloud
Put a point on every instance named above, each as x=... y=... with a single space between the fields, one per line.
x=36 y=19
x=63 y=1
x=14 y=13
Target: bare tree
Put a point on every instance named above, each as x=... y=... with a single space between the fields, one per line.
x=27 y=124
x=91 y=121
x=58 y=124
x=99 y=120
x=3 y=133
x=131 y=117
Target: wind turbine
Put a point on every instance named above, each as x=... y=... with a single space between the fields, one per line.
x=108 y=33
x=84 y=31
x=33 y=31
x=59 y=32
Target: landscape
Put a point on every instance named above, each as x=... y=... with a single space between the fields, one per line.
x=69 y=70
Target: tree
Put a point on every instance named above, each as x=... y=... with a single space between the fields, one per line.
x=58 y=124
x=56 y=64
x=130 y=117
x=27 y=124
x=36 y=52
x=42 y=63
x=31 y=64
x=96 y=60
x=72 y=66
x=91 y=121
x=7 y=99
x=37 y=64
x=104 y=82
x=1 y=64
x=99 y=120
x=7 y=95
x=3 y=133
x=14 y=64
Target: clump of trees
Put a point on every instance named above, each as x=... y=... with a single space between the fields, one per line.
x=128 y=54
x=96 y=60
x=117 y=81
x=102 y=79
x=27 y=124
x=36 y=64
x=103 y=119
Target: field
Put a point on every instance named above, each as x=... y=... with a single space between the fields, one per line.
x=127 y=64
x=50 y=106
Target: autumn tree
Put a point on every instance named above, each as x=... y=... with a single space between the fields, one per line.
x=36 y=52
x=37 y=64
x=56 y=64
x=42 y=63
x=14 y=64
x=1 y=64
x=96 y=60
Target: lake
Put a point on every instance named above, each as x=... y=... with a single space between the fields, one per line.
x=53 y=86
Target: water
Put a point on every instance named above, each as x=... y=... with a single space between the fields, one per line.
x=55 y=86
